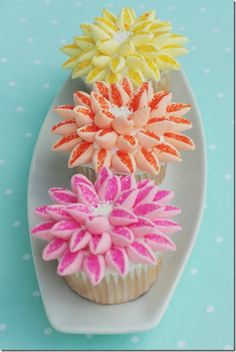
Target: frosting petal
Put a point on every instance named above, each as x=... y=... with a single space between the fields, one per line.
x=55 y=249
x=104 y=118
x=163 y=196
x=109 y=189
x=67 y=142
x=79 y=240
x=101 y=158
x=70 y=263
x=179 y=141
x=99 y=102
x=127 y=182
x=121 y=236
x=117 y=259
x=65 y=127
x=96 y=225
x=147 y=161
x=117 y=95
x=121 y=217
x=106 y=138
x=166 y=152
x=77 y=179
x=57 y=212
x=123 y=162
x=62 y=195
x=126 y=198
x=65 y=111
x=87 y=195
x=102 y=88
x=159 y=242
x=167 y=226
x=104 y=173
x=87 y=132
x=139 y=252
x=83 y=115
x=127 y=143
x=78 y=211
x=100 y=244
x=82 y=98
x=43 y=231
x=142 y=227
x=94 y=266
x=64 y=228
x=149 y=210
x=80 y=154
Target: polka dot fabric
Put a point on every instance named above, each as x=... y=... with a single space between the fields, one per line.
x=200 y=314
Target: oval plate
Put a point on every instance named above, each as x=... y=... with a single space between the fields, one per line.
x=68 y=312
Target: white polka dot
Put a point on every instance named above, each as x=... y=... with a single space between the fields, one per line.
x=3 y=327
x=194 y=271
x=181 y=344
x=55 y=21
x=215 y=30
x=16 y=223
x=228 y=50
x=210 y=309
x=171 y=8
x=88 y=336
x=228 y=347
x=36 y=294
x=110 y=4
x=135 y=339
x=12 y=83
x=2 y=161
x=212 y=146
x=4 y=60
x=30 y=39
x=220 y=95
x=203 y=9
x=219 y=239
x=28 y=134
x=47 y=2
x=78 y=3
x=22 y=19
x=141 y=6
x=181 y=28
x=206 y=70
x=8 y=191
x=19 y=109
x=194 y=48
x=227 y=177
x=37 y=61
x=46 y=85
x=62 y=41
x=26 y=257
x=47 y=331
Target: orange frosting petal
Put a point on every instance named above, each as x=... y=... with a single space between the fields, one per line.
x=65 y=111
x=83 y=115
x=166 y=152
x=67 y=142
x=127 y=143
x=82 y=153
x=82 y=98
x=99 y=102
x=101 y=157
x=127 y=86
x=117 y=95
x=88 y=132
x=64 y=127
x=147 y=138
x=123 y=162
x=106 y=138
x=102 y=88
x=104 y=118
x=147 y=161
x=179 y=140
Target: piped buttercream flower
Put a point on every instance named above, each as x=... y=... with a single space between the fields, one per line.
x=124 y=46
x=124 y=128
x=106 y=225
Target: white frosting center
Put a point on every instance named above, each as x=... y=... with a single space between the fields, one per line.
x=122 y=111
x=121 y=36
x=103 y=208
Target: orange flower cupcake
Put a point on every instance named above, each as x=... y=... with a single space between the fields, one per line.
x=128 y=130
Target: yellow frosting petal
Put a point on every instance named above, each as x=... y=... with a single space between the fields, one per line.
x=151 y=70
x=136 y=76
x=126 y=48
x=166 y=62
x=106 y=25
x=84 y=42
x=135 y=61
x=142 y=26
x=117 y=64
x=96 y=74
x=71 y=63
x=108 y=47
x=101 y=61
x=149 y=50
x=82 y=69
x=87 y=55
x=85 y=28
x=70 y=50
x=98 y=33
x=112 y=77
x=109 y=15
x=174 y=50
x=141 y=38
x=160 y=27
x=147 y=16
x=126 y=18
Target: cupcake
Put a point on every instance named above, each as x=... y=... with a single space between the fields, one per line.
x=140 y=48
x=130 y=130
x=108 y=237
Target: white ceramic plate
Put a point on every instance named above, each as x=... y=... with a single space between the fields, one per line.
x=66 y=311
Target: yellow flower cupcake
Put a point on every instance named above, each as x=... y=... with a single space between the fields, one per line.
x=140 y=48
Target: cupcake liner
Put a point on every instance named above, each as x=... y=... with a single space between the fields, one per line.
x=113 y=289
x=91 y=174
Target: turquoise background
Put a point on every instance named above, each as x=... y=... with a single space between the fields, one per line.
x=200 y=315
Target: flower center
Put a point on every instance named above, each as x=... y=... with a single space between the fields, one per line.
x=121 y=36
x=122 y=111
x=103 y=208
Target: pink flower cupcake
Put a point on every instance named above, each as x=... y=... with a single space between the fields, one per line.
x=108 y=237
x=128 y=130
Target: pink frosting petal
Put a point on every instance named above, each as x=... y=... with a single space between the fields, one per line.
x=126 y=198
x=145 y=183
x=103 y=174
x=55 y=249
x=122 y=217
x=42 y=212
x=167 y=226
x=121 y=236
x=163 y=196
x=97 y=224
x=117 y=259
x=87 y=195
x=62 y=195
x=139 y=252
x=109 y=189
x=79 y=240
x=170 y=210
x=149 y=210
x=63 y=229
x=159 y=242
x=82 y=98
x=127 y=182
x=70 y=263
x=94 y=266
x=58 y=212
x=146 y=195
x=142 y=227
x=79 y=211
x=77 y=179
x=43 y=231
x=100 y=244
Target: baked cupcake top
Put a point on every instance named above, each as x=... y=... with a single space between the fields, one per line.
x=127 y=129
x=106 y=226
x=124 y=46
